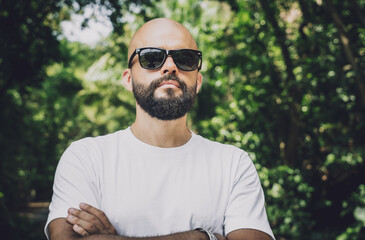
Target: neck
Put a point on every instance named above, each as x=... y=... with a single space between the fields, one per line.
x=160 y=133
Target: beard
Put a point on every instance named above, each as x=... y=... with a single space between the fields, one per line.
x=170 y=107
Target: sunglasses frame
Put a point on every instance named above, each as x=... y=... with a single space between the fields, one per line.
x=167 y=53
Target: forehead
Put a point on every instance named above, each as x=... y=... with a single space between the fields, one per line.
x=163 y=34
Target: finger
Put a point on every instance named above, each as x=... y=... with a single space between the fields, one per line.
x=87 y=217
x=100 y=215
x=80 y=230
x=89 y=226
x=219 y=237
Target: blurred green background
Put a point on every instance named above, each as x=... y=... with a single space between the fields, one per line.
x=283 y=80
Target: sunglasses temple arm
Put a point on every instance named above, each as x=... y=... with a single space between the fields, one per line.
x=131 y=58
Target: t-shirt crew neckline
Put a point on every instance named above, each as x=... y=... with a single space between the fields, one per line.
x=142 y=146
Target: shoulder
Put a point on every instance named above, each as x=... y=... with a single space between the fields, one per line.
x=99 y=142
x=228 y=156
x=92 y=149
x=214 y=146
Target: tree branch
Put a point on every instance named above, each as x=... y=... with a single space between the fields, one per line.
x=345 y=41
x=294 y=93
x=358 y=12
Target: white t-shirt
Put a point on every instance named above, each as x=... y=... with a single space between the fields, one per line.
x=151 y=191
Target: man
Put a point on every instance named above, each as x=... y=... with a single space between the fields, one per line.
x=157 y=179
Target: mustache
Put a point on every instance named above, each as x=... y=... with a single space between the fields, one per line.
x=155 y=83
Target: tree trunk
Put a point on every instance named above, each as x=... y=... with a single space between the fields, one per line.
x=294 y=97
x=347 y=49
x=358 y=12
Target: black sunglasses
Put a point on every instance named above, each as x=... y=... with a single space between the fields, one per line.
x=153 y=58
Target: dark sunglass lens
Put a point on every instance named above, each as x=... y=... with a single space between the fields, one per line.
x=186 y=59
x=151 y=58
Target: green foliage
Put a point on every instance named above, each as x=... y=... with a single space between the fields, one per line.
x=283 y=183
x=356 y=205
x=279 y=82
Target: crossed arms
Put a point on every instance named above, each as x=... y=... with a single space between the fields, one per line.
x=90 y=223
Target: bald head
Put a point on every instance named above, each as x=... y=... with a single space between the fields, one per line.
x=163 y=33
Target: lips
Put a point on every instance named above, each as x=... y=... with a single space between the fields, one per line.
x=171 y=83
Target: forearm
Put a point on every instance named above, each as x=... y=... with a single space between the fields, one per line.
x=61 y=230
x=189 y=235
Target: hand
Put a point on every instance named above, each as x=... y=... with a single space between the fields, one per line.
x=89 y=220
x=219 y=237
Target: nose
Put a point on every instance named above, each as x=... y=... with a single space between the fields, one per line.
x=169 y=66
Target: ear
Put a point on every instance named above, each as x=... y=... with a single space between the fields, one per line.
x=199 y=82
x=127 y=79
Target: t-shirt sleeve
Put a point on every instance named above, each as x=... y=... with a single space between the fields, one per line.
x=74 y=182
x=246 y=205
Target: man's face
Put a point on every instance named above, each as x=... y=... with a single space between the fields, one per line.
x=166 y=93
x=172 y=105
